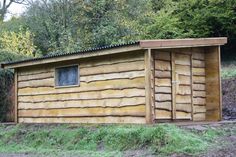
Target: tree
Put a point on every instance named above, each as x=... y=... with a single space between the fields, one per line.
x=20 y=42
x=5 y=4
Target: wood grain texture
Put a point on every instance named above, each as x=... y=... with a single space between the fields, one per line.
x=162 y=74
x=16 y=95
x=113 y=87
x=162 y=65
x=126 y=93
x=113 y=68
x=163 y=97
x=107 y=119
x=162 y=114
x=85 y=112
x=115 y=102
x=162 y=82
x=160 y=55
x=117 y=84
x=149 y=81
x=163 y=89
x=213 y=84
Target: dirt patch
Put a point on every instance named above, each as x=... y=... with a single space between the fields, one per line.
x=229 y=98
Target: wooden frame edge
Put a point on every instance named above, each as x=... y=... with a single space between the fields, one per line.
x=220 y=86
x=149 y=95
x=16 y=94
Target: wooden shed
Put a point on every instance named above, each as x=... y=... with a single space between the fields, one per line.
x=147 y=81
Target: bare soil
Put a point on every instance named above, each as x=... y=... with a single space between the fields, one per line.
x=229 y=98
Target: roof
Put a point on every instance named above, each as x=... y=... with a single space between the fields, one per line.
x=119 y=48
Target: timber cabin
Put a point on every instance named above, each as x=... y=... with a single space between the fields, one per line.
x=148 y=81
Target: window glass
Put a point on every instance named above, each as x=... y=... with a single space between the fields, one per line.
x=67 y=76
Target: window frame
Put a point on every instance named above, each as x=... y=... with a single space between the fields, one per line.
x=66 y=86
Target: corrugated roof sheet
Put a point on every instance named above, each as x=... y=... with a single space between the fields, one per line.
x=76 y=52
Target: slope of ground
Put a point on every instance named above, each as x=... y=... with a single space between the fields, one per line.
x=116 y=140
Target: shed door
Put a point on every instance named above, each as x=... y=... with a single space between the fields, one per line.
x=181 y=86
x=173 y=93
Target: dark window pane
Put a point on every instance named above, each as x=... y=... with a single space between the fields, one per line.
x=67 y=76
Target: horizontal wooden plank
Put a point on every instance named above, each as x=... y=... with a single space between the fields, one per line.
x=183 y=69
x=107 y=119
x=199 y=94
x=199 y=101
x=199 y=79
x=112 y=76
x=85 y=87
x=163 y=97
x=162 y=65
x=198 y=63
x=199 y=117
x=159 y=55
x=35 y=71
x=183 y=107
x=113 y=68
x=199 y=55
x=183 y=115
x=116 y=102
x=183 y=90
x=182 y=59
x=199 y=71
x=162 y=82
x=199 y=109
x=162 y=114
x=164 y=105
x=199 y=87
x=85 y=112
x=184 y=80
x=183 y=99
x=39 y=76
x=85 y=96
x=114 y=59
x=50 y=82
x=163 y=90
x=162 y=74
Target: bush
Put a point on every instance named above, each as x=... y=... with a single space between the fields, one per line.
x=7 y=87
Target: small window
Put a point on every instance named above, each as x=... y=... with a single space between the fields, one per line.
x=67 y=76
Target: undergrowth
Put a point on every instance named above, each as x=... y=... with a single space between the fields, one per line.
x=228 y=70
x=108 y=140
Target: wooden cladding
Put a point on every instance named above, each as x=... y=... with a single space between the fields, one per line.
x=180 y=84
x=138 y=87
x=112 y=90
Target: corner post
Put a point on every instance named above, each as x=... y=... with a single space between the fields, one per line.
x=149 y=86
x=16 y=94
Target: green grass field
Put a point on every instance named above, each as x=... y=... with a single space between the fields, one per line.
x=103 y=140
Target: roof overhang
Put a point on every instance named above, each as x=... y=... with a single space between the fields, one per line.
x=140 y=45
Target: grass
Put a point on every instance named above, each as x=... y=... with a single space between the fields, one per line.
x=99 y=140
x=228 y=69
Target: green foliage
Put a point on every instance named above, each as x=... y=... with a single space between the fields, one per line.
x=161 y=139
x=6 y=84
x=20 y=42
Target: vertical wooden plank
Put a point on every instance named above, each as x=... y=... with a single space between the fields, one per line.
x=191 y=78
x=16 y=95
x=220 y=88
x=148 y=85
x=173 y=73
x=153 y=85
x=213 y=84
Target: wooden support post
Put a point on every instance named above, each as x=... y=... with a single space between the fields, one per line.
x=173 y=85
x=213 y=84
x=149 y=86
x=16 y=94
x=220 y=88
